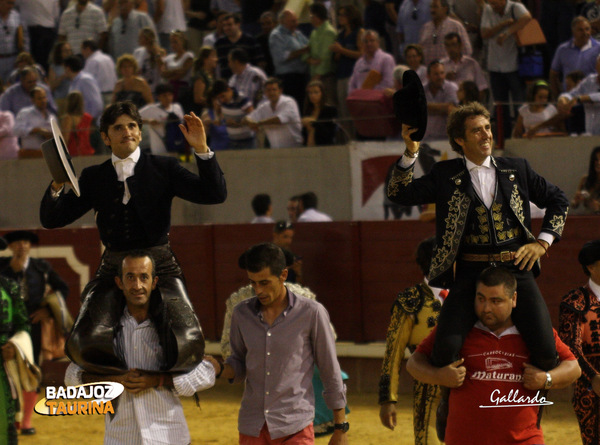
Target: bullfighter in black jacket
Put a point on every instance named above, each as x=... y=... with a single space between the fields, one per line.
x=131 y=197
x=483 y=218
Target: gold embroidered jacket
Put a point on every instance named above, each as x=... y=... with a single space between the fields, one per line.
x=448 y=185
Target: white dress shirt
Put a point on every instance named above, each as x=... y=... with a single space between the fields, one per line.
x=28 y=119
x=102 y=67
x=154 y=416
x=313 y=215
x=289 y=132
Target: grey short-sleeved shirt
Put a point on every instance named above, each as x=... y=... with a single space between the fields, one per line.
x=502 y=58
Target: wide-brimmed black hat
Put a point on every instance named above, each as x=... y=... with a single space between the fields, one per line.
x=590 y=253
x=410 y=104
x=19 y=235
x=58 y=159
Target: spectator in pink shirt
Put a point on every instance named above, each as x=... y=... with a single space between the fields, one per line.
x=432 y=34
x=373 y=62
x=460 y=67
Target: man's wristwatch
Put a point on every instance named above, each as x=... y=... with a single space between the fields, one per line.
x=548 y=383
x=343 y=427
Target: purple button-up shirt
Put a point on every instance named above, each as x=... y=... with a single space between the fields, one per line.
x=466 y=68
x=277 y=363
x=568 y=58
x=436 y=123
x=381 y=62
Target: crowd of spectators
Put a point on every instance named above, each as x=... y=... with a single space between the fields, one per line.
x=278 y=73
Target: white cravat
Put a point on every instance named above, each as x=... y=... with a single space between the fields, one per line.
x=483 y=178
x=124 y=169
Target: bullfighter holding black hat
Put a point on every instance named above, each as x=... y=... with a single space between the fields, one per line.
x=131 y=196
x=579 y=320
x=482 y=218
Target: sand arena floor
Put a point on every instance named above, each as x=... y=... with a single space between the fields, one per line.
x=216 y=422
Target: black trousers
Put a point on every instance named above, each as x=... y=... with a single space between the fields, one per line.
x=42 y=40
x=90 y=343
x=530 y=316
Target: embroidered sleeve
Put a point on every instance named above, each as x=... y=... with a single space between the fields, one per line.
x=570 y=332
x=398 y=334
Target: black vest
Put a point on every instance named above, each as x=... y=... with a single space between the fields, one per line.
x=492 y=230
x=126 y=231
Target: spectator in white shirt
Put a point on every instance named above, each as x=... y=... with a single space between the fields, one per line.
x=278 y=116
x=307 y=209
x=263 y=209
x=101 y=66
x=157 y=114
x=32 y=124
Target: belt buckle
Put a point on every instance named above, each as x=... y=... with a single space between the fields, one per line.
x=505 y=256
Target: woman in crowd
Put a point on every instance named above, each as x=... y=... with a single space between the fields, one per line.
x=129 y=86
x=214 y=123
x=588 y=190
x=318 y=127
x=57 y=80
x=413 y=54
x=467 y=92
x=149 y=55
x=204 y=75
x=25 y=59
x=75 y=126
x=346 y=50
x=538 y=116
x=176 y=67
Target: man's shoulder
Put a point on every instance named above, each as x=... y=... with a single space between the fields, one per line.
x=12 y=90
x=305 y=303
x=455 y=164
x=577 y=300
x=94 y=9
x=25 y=112
x=450 y=86
x=94 y=170
x=246 y=39
x=512 y=163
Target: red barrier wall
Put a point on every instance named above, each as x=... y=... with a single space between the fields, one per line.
x=355 y=268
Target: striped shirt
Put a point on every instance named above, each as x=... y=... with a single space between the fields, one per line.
x=77 y=27
x=250 y=83
x=8 y=34
x=153 y=416
x=236 y=110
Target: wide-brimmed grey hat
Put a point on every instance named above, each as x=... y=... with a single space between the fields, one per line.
x=58 y=159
